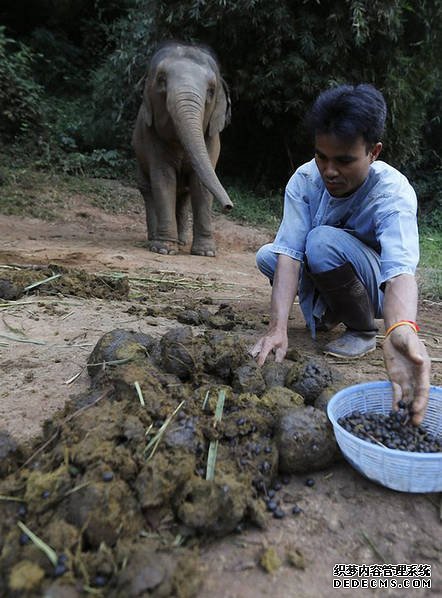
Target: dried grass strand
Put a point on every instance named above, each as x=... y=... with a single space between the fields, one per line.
x=213 y=446
x=49 y=552
x=40 y=282
x=152 y=445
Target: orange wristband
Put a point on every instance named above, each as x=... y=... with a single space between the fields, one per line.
x=402 y=323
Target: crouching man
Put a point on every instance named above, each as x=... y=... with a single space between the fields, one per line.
x=348 y=246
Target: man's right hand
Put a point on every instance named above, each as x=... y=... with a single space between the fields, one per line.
x=275 y=341
x=285 y=286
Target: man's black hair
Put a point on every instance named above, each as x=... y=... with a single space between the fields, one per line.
x=348 y=111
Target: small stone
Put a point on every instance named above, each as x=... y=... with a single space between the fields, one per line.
x=107 y=476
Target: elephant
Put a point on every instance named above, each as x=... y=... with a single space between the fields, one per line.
x=176 y=142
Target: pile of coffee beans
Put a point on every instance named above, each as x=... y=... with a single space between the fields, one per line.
x=394 y=431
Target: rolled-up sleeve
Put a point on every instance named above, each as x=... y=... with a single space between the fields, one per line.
x=296 y=221
x=398 y=236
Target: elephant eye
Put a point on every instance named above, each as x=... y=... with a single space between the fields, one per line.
x=161 y=80
x=210 y=92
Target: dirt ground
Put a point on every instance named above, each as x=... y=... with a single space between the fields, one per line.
x=46 y=339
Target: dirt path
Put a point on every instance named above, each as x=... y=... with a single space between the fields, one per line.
x=45 y=342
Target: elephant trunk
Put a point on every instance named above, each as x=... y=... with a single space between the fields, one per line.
x=187 y=115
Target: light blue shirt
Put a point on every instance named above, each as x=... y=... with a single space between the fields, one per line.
x=381 y=214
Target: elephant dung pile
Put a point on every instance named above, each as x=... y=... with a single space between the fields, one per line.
x=55 y=279
x=120 y=482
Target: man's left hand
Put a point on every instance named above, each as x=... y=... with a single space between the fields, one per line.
x=408 y=366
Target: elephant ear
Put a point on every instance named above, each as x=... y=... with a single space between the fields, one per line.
x=222 y=112
x=146 y=107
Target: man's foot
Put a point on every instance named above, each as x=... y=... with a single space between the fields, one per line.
x=352 y=345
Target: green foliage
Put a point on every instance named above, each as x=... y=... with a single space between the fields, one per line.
x=257 y=210
x=59 y=61
x=428 y=186
x=429 y=271
x=20 y=94
x=276 y=58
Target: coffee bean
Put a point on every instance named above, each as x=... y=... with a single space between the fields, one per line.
x=394 y=430
x=99 y=581
x=60 y=570
x=278 y=513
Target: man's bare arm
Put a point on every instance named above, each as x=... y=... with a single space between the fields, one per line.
x=405 y=356
x=285 y=287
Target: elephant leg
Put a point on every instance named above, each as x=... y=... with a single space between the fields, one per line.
x=183 y=216
x=163 y=202
x=203 y=241
x=146 y=192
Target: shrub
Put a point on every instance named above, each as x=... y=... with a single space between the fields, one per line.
x=20 y=95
